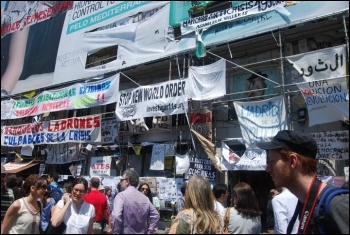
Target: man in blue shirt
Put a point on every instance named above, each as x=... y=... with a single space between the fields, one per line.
x=55 y=190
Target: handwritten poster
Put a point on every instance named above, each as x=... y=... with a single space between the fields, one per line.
x=109 y=131
x=202 y=166
x=332 y=144
x=157 y=159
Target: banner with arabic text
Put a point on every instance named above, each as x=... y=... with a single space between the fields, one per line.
x=322 y=64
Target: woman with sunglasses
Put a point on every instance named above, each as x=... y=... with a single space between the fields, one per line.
x=23 y=216
x=146 y=190
x=77 y=215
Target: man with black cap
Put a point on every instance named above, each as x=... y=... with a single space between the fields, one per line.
x=292 y=163
x=7 y=196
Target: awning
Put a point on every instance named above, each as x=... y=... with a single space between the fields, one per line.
x=13 y=167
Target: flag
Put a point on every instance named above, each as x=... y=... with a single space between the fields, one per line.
x=209 y=149
x=137 y=149
x=229 y=155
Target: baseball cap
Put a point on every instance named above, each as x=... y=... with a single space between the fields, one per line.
x=101 y=187
x=3 y=171
x=295 y=141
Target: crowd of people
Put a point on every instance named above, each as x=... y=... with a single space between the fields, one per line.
x=39 y=205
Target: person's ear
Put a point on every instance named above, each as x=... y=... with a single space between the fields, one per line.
x=293 y=160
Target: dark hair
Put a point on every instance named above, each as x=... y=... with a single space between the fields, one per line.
x=33 y=180
x=245 y=200
x=81 y=180
x=54 y=175
x=68 y=186
x=149 y=193
x=219 y=189
x=133 y=177
x=118 y=187
x=95 y=182
x=11 y=181
x=183 y=188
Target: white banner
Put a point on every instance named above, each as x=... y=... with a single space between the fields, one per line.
x=261 y=120
x=230 y=156
x=322 y=64
x=245 y=9
x=162 y=99
x=252 y=160
x=62 y=153
x=74 y=130
x=182 y=163
x=207 y=82
x=157 y=159
x=136 y=29
x=6 y=108
x=77 y=96
x=327 y=100
x=332 y=144
x=100 y=166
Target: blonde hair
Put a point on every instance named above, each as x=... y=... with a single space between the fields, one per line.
x=200 y=198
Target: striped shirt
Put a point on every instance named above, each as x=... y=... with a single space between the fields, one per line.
x=7 y=198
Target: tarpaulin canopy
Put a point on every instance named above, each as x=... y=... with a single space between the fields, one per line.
x=14 y=167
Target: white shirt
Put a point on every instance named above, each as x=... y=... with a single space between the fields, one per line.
x=77 y=222
x=283 y=209
x=221 y=210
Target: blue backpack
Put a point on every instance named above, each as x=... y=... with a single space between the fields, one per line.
x=322 y=210
x=56 y=192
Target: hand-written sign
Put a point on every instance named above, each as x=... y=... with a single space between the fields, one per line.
x=332 y=144
x=204 y=167
x=157 y=160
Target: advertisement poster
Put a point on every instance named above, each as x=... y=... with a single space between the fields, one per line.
x=100 y=166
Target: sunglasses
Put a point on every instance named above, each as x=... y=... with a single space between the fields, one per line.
x=144 y=189
x=43 y=187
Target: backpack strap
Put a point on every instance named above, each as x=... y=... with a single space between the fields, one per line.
x=294 y=218
x=323 y=207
